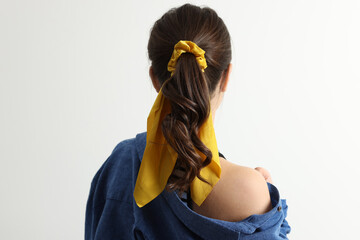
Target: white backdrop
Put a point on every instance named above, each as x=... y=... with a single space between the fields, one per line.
x=74 y=83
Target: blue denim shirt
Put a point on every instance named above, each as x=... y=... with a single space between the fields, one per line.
x=111 y=211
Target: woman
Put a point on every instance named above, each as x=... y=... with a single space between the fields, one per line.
x=171 y=182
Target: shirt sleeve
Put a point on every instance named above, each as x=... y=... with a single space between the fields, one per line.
x=285 y=228
x=93 y=209
x=109 y=213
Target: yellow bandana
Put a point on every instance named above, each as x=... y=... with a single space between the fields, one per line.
x=187 y=46
x=159 y=157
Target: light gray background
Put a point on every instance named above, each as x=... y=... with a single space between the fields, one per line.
x=74 y=83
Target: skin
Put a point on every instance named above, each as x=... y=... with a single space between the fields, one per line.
x=241 y=191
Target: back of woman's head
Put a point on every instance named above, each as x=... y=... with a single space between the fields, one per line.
x=189 y=89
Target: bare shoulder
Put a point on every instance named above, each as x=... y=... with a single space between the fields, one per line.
x=240 y=192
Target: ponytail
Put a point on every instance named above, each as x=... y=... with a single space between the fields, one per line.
x=189 y=97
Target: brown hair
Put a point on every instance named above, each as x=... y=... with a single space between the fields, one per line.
x=189 y=89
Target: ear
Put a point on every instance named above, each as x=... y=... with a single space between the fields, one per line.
x=225 y=78
x=154 y=79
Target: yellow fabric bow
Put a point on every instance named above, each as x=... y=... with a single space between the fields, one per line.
x=187 y=46
x=159 y=158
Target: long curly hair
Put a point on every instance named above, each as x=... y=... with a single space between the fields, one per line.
x=189 y=90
